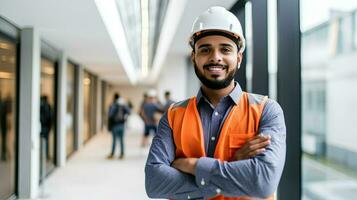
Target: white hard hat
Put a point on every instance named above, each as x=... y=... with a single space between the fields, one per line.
x=218 y=20
x=152 y=93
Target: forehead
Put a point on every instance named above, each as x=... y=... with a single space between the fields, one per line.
x=214 y=40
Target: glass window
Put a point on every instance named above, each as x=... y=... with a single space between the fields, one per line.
x=47 y=117
x=329 y=79
x=70 y=136
x=89 y=89
x=103 y=115
x=86 y=118
x=109 y=93
x=8 y=70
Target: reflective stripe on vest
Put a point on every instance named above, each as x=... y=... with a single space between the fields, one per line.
x=241 y=124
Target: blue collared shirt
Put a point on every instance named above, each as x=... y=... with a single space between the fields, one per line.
x=150 y=108
x=256 y=177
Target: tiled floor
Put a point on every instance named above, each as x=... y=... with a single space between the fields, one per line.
x=90 y=176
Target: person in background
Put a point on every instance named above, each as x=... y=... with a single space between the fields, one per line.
x=118 y=113
x=46 y=119
x=145 y=98
x=3 y=129
x=168 y=101
x=5 y=110
x=149 y=108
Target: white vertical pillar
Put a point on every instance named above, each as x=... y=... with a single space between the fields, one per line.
x=99 y=105
x=61 y=111
x=29 y=119
x=79 y=107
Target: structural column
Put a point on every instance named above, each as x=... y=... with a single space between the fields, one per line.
x=260 y=82
x=61 y=111
x=99 y=105
x=239 y=10
x=289 y=94
x=29 y=114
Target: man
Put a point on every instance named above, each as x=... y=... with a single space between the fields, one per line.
x=224 y=143
x=149 y=108
x=168 y=101
x=46 y=119
x=3 y=129
x=118 y=113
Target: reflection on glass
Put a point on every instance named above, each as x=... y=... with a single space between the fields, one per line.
x=329 y=79
x=7 y=117
x=87 y=103
x=70 y=137
x=47 y=116
x=90 y=105
x=107 y=101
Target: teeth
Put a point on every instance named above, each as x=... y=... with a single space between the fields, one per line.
x=215 y=68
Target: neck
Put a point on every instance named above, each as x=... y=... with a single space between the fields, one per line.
x=215 y=96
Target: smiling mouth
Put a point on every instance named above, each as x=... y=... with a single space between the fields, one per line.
x=215 y=68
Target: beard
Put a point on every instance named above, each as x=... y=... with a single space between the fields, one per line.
x=215 y=84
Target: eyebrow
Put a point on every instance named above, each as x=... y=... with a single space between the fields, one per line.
x=209 y=45
x=226 y=45
x=204 y=45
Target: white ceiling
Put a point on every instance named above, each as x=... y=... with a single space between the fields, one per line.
x=76 y=27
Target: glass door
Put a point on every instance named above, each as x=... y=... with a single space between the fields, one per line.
x=8 y=96
x=70 y=134
x=47 y=117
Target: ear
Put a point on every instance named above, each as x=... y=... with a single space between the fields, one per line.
x=193 y=56
x=239 y=59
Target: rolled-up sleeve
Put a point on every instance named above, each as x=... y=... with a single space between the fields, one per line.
x=255 y=177
x=162 y=180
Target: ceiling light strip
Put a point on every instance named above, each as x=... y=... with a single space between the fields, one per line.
x=173 y=16
x=144 y=37
x=111 y=18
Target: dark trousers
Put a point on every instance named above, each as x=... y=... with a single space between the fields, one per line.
x=45 y=136
x=149 y=128
x=3 y=142
x=118 y=134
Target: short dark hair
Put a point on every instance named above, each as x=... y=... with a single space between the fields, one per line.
x=167 y=93
x=116 y=96
x=44 y=98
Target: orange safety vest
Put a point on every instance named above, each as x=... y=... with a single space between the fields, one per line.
x=241 y=124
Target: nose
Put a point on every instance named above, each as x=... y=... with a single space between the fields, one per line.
x=215 y=57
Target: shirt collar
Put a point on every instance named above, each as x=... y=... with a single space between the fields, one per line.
x=234 y=95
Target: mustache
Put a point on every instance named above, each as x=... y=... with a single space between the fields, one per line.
x=214 y=64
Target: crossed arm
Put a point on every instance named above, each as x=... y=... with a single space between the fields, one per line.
x=256 y=171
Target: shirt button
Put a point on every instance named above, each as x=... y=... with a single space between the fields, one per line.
x=203 y=182
x=218 y=191
x=213 y=138
x=216 y=113
x=188 y=197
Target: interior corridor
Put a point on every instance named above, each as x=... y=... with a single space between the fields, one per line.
x=89 y=175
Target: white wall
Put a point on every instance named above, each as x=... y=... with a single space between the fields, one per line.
x=341 y=102
x=173 y=77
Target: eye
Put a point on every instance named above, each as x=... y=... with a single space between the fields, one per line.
x=226 y=50
x=204 y=50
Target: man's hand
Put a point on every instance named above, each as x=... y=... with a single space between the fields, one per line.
x=186 y=165
x=252 y=148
